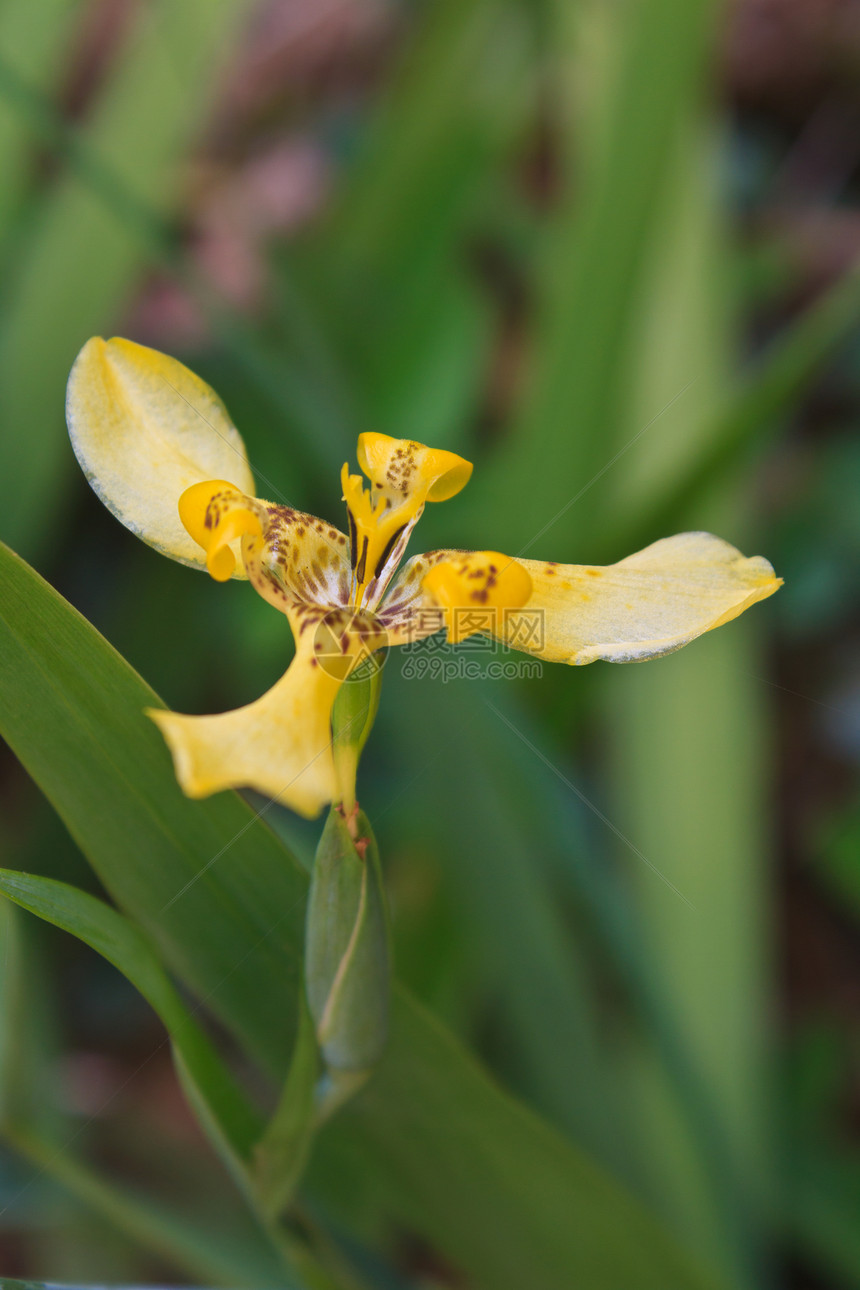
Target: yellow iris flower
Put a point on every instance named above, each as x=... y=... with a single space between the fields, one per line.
x=158 y=447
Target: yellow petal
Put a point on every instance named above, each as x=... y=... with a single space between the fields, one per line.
x=649 y=604
x=144 y=429
x=646 y=605
x=279 y=745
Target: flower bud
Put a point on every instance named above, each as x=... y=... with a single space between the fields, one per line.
x=347 y=946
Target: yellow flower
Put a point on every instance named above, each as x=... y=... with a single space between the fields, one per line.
x=159 y=449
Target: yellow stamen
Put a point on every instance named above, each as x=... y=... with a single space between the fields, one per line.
x=215 y=514
x=475 y=591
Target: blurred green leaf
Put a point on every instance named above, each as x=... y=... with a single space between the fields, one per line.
x=686 y=768
x=751 y=414
x=13 y=1048
x=224 y=1111
x=202 y=1254
x=480 y=1177
x=507 y=1199
x=822 y=1199
x=494 y=853
x=82 y=257
x=394 y=261
x=36 y=49
x=29 y=1031
x=594 y=259
x=838 y=849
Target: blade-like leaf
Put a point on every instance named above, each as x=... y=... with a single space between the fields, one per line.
x=219 y=895
x=751 y=413
x=394 y=254
x=36 y=48
x=206 y=1257
x=594 y=263
x=225 y=1112
x=688 y=795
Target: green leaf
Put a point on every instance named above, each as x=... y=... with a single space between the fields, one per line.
x=596 y=254
x=394 y=255
x=465 y=1166
x=506 y=1198
x=218 y=894
x=689 y=798
x=821 y=1195
x=203 y=1255
x=751 y=414
x=13 y=1049
x=37 y=48
x=224 y=1111
x=495 y=853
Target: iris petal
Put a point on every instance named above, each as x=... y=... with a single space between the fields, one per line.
x=144 y=429
x=648 y=604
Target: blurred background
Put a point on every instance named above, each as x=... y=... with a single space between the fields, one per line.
x=608 y=252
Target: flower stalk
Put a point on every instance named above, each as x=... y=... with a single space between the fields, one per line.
x=353 y=715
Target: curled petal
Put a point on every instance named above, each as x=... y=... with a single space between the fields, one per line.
x=648 y=604
x=280 y=745
x=403 y=476
x=144 y=429
x=400 y=468
x=292 y=559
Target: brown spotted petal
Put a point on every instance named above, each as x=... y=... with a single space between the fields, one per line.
x=279 y=745
x=292 y=559
x=408 y=613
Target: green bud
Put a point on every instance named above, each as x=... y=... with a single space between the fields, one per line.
x=346 y=946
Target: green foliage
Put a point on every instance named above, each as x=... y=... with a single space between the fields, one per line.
x=84 y=248
x=221 y=1106
x=558 y=1215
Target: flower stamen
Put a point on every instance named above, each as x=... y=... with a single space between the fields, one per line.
x=403 y=475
